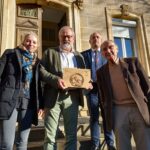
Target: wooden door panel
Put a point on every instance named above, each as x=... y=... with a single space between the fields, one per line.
x=29 y=18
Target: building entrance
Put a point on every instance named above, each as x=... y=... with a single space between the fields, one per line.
x=45 y=21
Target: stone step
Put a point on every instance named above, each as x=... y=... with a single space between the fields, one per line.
x=36 y=136
x=37 y=133
x=83 y=128
x=36 y=139
x=83 y=143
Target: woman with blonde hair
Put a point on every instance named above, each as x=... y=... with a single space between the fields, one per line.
x=20 y=93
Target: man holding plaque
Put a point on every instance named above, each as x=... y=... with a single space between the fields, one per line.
x=94 y=60
x=57 y=99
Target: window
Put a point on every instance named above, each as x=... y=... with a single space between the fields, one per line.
x=128 y=30
x=124 y=34
x=125 y=46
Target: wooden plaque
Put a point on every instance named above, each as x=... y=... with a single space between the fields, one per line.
x=76 y=78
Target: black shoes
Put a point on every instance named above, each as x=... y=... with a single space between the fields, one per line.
x=111 y=147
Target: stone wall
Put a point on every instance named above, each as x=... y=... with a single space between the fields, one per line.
x=93 y=17
x=89 y=19
x=7 y=24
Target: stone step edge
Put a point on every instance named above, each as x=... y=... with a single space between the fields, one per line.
x=81 y=120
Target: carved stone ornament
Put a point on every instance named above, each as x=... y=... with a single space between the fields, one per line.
x=27 y=23
x=79 y=4
x=125 y=9
x=76 y=78
x=28 y=12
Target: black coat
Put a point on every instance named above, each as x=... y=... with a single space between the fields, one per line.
x=10 y=84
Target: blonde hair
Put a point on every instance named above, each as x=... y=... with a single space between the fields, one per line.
x=21 y=46
x=28 y=34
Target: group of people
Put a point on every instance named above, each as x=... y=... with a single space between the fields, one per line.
x=119 y=89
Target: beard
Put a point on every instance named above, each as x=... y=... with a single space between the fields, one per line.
x=66 y=47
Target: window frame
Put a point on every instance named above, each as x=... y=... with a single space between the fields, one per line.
x=128 y=28
x=142 y=48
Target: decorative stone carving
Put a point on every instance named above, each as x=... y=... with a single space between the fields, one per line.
x=125 y=9
x=28 y=23
x=79 y=4
x=28 y=12
x=76 y=78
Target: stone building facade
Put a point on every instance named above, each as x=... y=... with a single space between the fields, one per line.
x=126 y=21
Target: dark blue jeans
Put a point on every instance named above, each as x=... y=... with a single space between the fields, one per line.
x=93 y=105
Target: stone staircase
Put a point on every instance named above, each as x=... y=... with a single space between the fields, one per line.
x=37 y=135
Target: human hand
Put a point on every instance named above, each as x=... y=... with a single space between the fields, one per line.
x=61 y=84
x=40 y=114
x=89 y=86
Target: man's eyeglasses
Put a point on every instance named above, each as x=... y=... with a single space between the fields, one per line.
x=67 y=36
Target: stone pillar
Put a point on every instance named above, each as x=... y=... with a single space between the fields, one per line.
x=7 y=24
x=1 y=20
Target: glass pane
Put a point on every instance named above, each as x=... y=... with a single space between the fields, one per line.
x=124 y=32
x=117 y=41
x=127 y=22
x=129 y=47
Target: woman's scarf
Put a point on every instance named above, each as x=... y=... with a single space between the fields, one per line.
x=28 y=61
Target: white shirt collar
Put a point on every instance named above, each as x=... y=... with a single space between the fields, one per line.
x=61 y=50
x=95 y=50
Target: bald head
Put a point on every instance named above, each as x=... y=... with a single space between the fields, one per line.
x=95 y=40
x=109 y=50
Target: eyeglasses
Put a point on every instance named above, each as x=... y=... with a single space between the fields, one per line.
x=67 y=36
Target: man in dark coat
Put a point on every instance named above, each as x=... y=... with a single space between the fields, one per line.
x=58 y=100
x=94 y=60
x=125 y=93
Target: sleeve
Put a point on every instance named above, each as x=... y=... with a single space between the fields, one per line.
x=100 y=89
x=3 y=62
x=84 y=55
x=144 y=80
x=45 y=75
x=83 y=61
